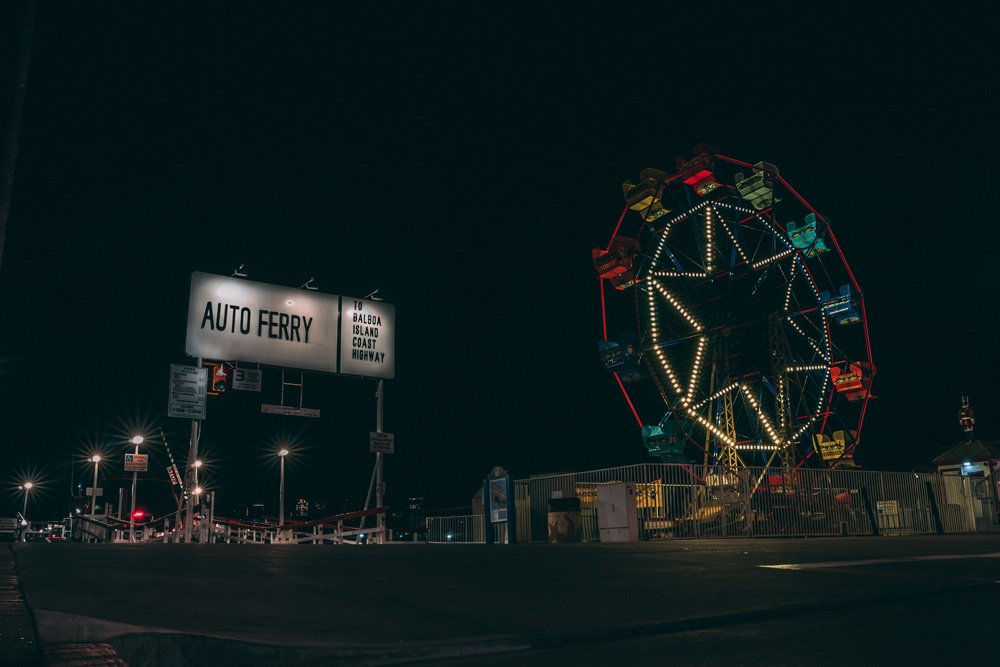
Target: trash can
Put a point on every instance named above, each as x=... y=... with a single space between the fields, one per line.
x=565 y=521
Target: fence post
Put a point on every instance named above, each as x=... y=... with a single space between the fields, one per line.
x=934 y=509
x=870 y=510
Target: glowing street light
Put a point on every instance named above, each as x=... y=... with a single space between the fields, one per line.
x=197 y=492
x=137 y=440
x=96 y=460
x=24 y=512
x=281 y=489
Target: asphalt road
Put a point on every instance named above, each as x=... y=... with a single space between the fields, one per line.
x=848 y=601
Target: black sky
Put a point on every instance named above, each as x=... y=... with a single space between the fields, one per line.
x=464 y=163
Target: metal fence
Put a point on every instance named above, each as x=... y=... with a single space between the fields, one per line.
x=675 y=500
x=460 y=529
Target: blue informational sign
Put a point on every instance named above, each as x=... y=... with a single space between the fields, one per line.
x=500 y=517
x=498 y=499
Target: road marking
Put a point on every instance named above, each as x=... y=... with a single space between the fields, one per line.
x=875 y=561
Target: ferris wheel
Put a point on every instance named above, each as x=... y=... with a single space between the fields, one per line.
x=731 y=320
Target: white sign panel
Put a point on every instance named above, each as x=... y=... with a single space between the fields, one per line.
x=100 y=491
x=232 y=318
x=266 y=408
x=136 y=462
x=382 y=442
x=246 y=379
x=367 y=338
x=188 y=389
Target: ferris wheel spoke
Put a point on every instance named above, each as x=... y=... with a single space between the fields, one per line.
x=812 y=343
x=755 y=404
x=736 y=245
x=676 y=304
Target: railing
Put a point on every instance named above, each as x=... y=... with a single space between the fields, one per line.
x=466 y=529
x=701 y=501
x=100 y=528
x=334 y=529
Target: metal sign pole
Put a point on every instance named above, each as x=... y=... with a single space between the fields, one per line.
x=211 y=516
x=93 y=498
x=131 y=516
x=189 y=474
x=379 y=484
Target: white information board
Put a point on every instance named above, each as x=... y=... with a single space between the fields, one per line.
x=136 y=462
x=382 y=442
x=188 y=390
x=367 y=338
x=246 y=379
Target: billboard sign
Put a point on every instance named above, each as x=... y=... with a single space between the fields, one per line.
x=367 y=338
x=232 y=318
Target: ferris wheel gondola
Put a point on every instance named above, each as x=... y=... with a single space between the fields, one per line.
x=740 y=323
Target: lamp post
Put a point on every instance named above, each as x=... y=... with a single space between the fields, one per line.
x=281 y=489
x=24 y=511
x=137 y=440
x=197 y=489
x=96 y=460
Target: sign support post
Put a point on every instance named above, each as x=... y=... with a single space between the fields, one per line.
x=379 y=484
x=131 y=516
x=189 y=472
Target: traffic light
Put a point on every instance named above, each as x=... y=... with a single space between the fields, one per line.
x=138 y=514
x=216 y=379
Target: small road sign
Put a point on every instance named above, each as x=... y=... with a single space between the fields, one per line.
x=136 y=462
x=188 y=389
x=382 y=442
x=246 y=379
x=288 y=410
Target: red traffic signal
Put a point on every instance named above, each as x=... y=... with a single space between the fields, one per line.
x=138 y=514
x=216 y=379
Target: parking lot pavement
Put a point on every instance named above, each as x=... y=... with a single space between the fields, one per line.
x=406 y=602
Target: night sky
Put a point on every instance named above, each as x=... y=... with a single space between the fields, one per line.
x=464 y=163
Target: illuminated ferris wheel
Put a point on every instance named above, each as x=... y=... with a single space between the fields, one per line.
x=731 y=320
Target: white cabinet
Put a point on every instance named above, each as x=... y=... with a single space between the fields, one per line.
x=616 y=514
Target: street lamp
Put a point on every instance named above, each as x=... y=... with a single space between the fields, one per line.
x=281 y=489
x=137 y=440
x=24 y=512
x=197 y=489
x=96 y=460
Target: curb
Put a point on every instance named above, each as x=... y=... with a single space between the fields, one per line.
x=18 y=639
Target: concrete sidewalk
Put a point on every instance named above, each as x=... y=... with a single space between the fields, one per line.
x=259 y=604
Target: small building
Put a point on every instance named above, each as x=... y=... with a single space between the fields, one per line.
x=979 y=461
x=975 y=458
